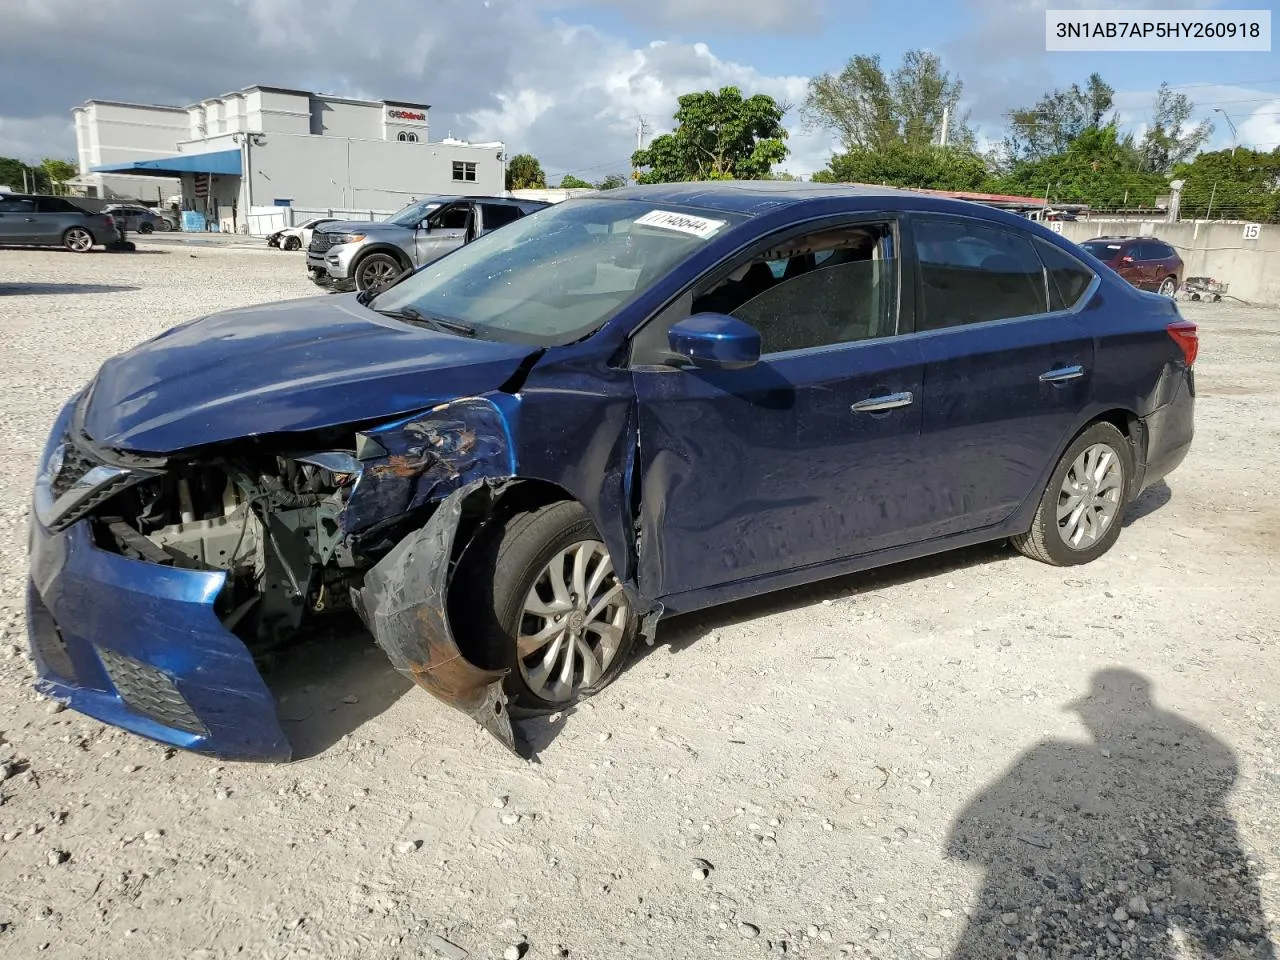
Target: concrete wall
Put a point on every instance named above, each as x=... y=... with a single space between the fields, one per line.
x=111 y=133
x=323 y=172
x=1208 y=249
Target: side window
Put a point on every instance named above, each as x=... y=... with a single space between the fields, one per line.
x=1068 y=277
x=453 y=217
x=14 y=205
x=495 y=215
x=973 y=273
x=836 y=286
x=1144 y=251
x=1163 y=251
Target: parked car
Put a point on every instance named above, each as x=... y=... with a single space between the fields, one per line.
x=1147 y=263
x=363 y=255
x=295 y=238
x=27 y=219
x=135 y=219
x=515 y=460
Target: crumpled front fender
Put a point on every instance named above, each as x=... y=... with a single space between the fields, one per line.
x=404 y=603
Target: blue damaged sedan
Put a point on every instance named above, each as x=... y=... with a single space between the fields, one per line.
x=515 y=461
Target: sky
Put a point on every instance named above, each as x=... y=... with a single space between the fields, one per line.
x=569 y=80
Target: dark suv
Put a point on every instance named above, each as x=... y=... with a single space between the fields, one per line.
x=26 y=219
x=1147 y=263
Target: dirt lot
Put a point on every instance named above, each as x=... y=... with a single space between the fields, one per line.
x=881 y=766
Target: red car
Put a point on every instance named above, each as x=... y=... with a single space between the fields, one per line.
x=1147 y=263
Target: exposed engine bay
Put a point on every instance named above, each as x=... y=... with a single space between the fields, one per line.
x=271 y=522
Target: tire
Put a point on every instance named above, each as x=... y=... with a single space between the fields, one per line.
x=376 y=271
x=146 y=228
x=1168 y=287
x=77 y=240
x=511 y=563
x=1048 y=540
x=292 y=243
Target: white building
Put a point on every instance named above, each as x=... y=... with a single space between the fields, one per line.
x=299 y=149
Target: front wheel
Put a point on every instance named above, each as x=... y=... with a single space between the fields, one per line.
x=146 y=228
x=377 y=271
x=1168 y=287
x=1080 y=513
x=292 y=243
x=78 y=240
x=552 y=610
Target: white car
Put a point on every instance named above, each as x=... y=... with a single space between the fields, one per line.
x=295 y=238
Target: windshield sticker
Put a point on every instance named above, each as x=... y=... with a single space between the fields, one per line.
x=700 y=227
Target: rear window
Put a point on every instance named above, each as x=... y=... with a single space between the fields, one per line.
x=1103 y=249
x=1068 y=277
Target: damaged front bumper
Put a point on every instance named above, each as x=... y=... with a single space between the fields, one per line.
x=404 y=603
x=141 y=647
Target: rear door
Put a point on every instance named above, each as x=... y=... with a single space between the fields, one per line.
x=1007 y=367
x=441 y=231
x=17 y=219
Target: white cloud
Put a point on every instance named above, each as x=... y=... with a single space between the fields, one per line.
x=494 y=70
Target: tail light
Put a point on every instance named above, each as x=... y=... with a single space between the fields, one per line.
x=111 y=221
x=1187 y=336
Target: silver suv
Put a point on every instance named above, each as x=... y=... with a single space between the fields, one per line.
x=27 y=220
x=360 y=255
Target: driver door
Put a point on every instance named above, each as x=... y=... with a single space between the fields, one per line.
x=807 y=457
x=443 y=230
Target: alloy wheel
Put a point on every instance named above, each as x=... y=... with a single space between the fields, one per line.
x=377 y=273
x=573 y=623
x=1090 y=497
x=1168 y=287
x=79 y=239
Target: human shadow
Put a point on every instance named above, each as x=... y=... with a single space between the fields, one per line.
x=1123 y=847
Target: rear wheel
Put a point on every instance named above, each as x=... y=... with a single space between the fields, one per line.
x=1080 y=513
x=551 y=608
x=376 y=271
x=1168 y=286
x=78 y=240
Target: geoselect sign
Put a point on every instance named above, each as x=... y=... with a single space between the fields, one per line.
x=398 y=114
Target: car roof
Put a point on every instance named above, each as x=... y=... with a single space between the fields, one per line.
x=754 y=197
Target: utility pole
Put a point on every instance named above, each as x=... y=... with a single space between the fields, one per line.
x=1235 y=137
x=1212 y=193
x=946 y=123
x=642 y=130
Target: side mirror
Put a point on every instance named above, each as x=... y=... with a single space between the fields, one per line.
x=715 y=341
x=424 y=226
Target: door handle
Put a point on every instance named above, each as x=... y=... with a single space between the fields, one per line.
x=1062 y=374
x=889 y=401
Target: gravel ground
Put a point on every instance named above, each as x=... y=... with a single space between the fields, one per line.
x=896 y=764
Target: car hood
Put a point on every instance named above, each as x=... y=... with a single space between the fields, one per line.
x=297 y=365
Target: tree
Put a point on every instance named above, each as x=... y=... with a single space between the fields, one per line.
x=1167 y=141
x=1056 y=119
x=570 y=182
x=1241 y=184
x=719 y=136
x=58 y=172
x=1099 y=167
x=612 y=182
x=870 y=111
x=524 y=172
x=11 y=171
x=933 y=168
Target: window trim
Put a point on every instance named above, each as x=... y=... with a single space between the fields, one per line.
x=461 y=166
x=895 y=219
x=913 y=217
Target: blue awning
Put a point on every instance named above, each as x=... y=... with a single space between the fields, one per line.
x=223 y=162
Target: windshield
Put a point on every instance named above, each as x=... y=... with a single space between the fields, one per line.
x=557 y=274
x=410 y=215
